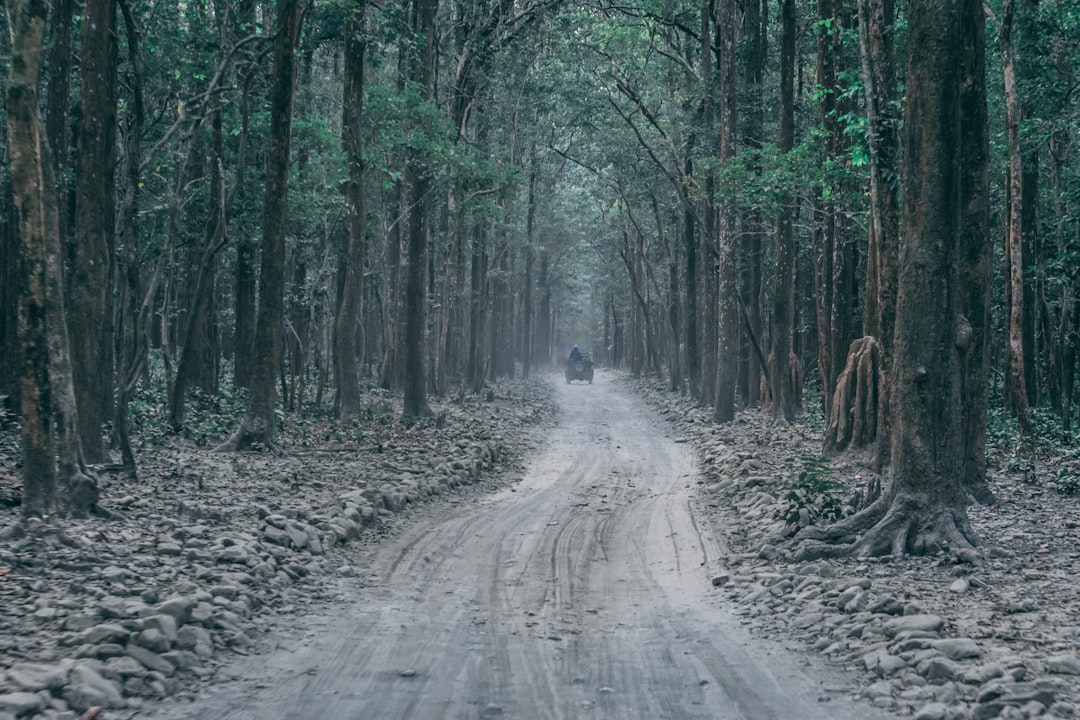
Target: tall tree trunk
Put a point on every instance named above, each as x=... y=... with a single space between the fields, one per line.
x=750 y=375
x=976 y=256
x=527 y=310
x=727 y=361
x=780 y=371
x=418 y=179
x=1015 y=376
x=477 y=309
x=58 y=113
x=89 y=308
x=199 y=355
x=351 y=260
x=257 y=426
x=54 y=476
x=835 y=255
x=133 y=315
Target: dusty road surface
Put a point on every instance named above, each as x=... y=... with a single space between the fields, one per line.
x=582 y=591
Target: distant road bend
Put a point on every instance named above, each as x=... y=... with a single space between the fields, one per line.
x=582 y=592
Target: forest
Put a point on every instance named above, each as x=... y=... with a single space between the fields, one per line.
x=863 y=210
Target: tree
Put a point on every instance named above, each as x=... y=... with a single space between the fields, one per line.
x=1016 y=377
x=780 y=366
x=727 y=292
x=922 y=509
x=257 y=426
x=54 y=476
x=90 y=308
x=419 y=183
x=351 y=259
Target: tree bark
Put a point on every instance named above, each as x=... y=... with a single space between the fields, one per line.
x=132 y=330
x=351 y=260
x=89 y=307
x=418 y=179
x=199 y=355
x=1015 y=375
x=54 y=475
x=727 y=359
x=257 y=426
x=783 y=394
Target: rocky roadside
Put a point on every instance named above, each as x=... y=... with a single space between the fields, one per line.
x=929 y=638
x=209 y=550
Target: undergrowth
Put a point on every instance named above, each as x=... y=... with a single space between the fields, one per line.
x=816 y=498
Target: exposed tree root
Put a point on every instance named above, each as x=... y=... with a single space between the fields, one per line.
x=854 y=410
x=902 y=526
x=254 y=433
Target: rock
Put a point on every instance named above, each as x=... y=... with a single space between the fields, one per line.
x=297 y=535
x=982 y=674
x=21 y=704
x=1064 y=664
x=115 y=608
x=913 y=623
x=106 y=633
x=932 y=711
x=165 y=624
x=86 y=688
x=960 y=586
x=34 y=677
x=125 y=667
x=115 y=575
x=938 y=669
x=957 y=648
x=191 y=637
x=234 y=554
x=151 y=659
x=179 y=608
x=153 y=639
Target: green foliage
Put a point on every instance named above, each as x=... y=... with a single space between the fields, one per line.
x=815 y=498
x=1067 y=479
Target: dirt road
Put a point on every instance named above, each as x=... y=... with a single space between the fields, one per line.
x=581 y=592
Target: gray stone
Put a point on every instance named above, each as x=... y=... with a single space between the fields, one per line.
x=79 y=623
x=182 y=659
x=913 y=623
x=932 y=711
x=115 y=608
x=889 y=665
x=169 y=549
x=33 y=677
x=113 y=574
x=960 y=586
x=125 y=667
x=982 y=674
x=165 y=624
x=275 y=535
x=234 y=554
x=153 y=639
x=958 y=648
x=179 y=608
x=938 y=669
x=297 y=534
x=105 y=633
x=87 y=688
x=1064 y=664
x=277 y=521
x=151 y=659
x=21 y=704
